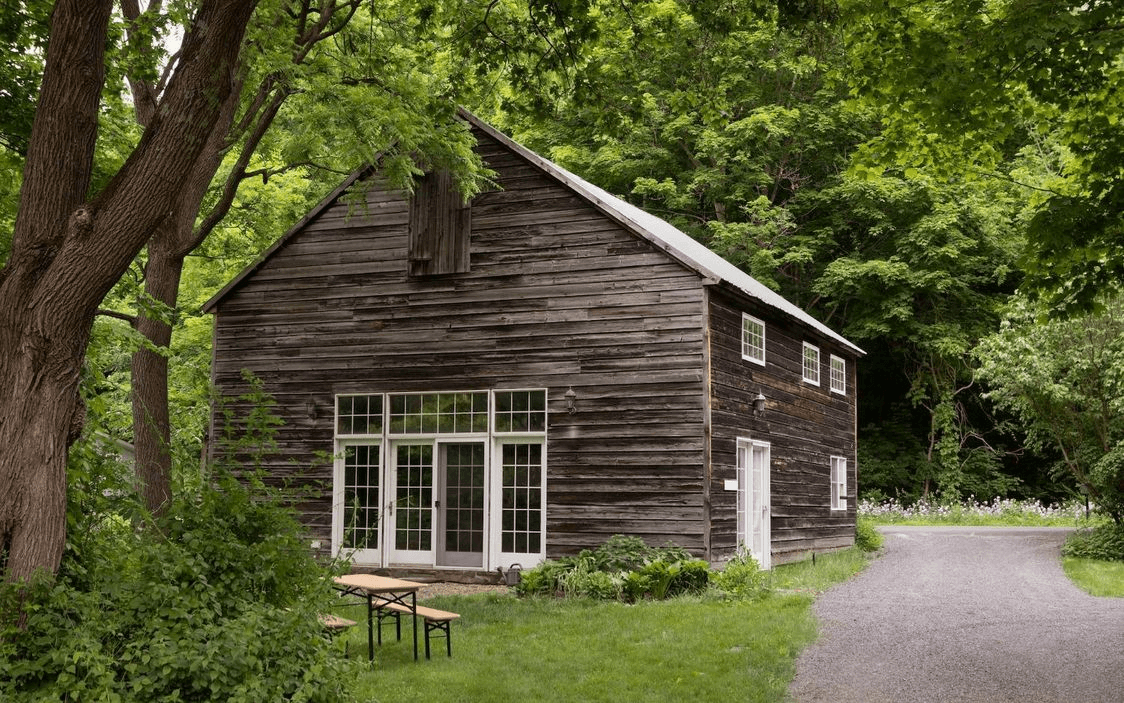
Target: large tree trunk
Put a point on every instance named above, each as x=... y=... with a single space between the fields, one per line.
x=173 y=241
x=68 y=252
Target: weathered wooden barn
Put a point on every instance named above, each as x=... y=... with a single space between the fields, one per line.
x=474 y=385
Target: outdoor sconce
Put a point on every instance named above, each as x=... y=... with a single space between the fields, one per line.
x=571 y=396
x=311 y=410
x=759 y=405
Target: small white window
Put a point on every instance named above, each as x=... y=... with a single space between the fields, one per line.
x=838 y=483
x=753 y=339
x=838 y=375
x=811 y=364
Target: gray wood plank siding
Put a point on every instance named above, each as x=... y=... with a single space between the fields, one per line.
x=557 y=295
x=804 y=424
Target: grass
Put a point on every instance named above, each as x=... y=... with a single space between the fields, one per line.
x=561 y=650
x=1098 y=578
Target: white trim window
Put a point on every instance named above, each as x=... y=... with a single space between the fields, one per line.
x=838 y=483
x=811 y=364
x=753 y=339
x=838 y=375
x=441 y=479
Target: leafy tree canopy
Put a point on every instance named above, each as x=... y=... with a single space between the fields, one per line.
x=962 y=86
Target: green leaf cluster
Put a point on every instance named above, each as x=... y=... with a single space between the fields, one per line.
x=217 y=600
x=1063 y=382
x=623 y=568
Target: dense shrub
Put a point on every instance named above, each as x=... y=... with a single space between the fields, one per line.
x=218 y=601
x=866 y=537
x=1105 y=542
x=623 y=568
x=741 y=578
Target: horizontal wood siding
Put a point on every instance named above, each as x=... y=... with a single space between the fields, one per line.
x=804 y=424
x=557 y=296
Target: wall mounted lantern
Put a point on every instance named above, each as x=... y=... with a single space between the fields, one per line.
x=571 y=396
x=311 y=409
x=759 y=405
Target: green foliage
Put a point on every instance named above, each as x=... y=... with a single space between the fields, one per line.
x=964 y=87
x=742 y=578
x=867 y=538
x=1063 y=381
x=217 y=600
x=1104 y=543
x=623 y=568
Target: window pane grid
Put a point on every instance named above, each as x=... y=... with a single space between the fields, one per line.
x=438 y=413
x=811 y=364
x=753 y=339
x=521 y=493
x=520 y=411
x=838 y=375
x=361 y=497
x=464 y=515
x=414 y=497
x=359 y=414
x=838 y=483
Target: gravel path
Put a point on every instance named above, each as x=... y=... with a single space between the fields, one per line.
x=964 y=615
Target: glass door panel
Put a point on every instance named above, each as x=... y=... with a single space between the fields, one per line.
x=413 y=504
x=521 y=502
x=460 y=508
x=360 y=533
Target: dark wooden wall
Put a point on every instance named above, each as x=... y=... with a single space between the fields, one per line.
x=804 y=424
x=557 y=295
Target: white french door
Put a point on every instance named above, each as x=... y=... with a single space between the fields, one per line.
x=443 y=479
x=357 y=525
x=753 y=500
x=411 y=506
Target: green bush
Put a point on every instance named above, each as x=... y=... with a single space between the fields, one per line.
x=867 y=538
x=742 y=578
x=599 y=585
x=623 y=568
x=1105 y=543
x=218 y=601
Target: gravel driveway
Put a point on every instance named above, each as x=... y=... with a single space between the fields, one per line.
x=964 y=614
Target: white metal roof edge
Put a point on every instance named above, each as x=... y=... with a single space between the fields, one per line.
x=664 y=235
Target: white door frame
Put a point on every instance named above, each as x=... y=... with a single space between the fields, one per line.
x=339 y=511
x=754 y=524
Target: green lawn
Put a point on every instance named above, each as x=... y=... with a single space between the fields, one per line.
x=1098 y=578
x=545 y=649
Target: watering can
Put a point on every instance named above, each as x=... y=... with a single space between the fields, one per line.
x=511 y=575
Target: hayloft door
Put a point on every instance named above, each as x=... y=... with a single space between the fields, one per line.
x=460 y=504
x=753 y=500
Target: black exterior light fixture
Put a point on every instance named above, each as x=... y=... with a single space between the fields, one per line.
x=571 y=396
x=759 y=405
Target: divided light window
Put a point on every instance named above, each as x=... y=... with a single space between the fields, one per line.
x=438 y=413
x=838 y=483
x=811 y=364
x=753 y=339
x=440 y=220
x=838 y=375
x=516 y=412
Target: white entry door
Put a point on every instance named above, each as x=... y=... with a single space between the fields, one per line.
x=411 y=507
x=753 y=500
